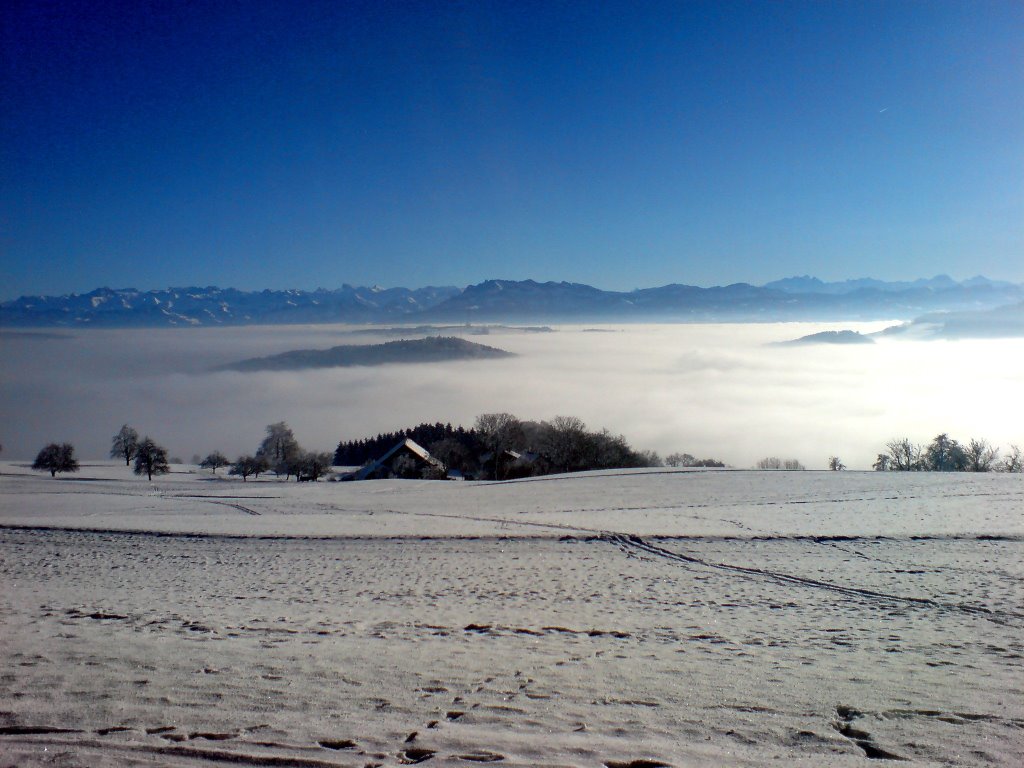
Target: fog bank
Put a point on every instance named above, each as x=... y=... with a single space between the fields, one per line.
x=710 y=390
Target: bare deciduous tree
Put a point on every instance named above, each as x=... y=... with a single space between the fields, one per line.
x=904 y=456
x=498 y=432
x=124 y=444
x=56 y=458
x=564 y=442
x=1014 y=461
x=247 y=466
x=214 y=461
x=835 y=464
x=980 y=456
x=150 y=459
x=610 y=450
x=280 y=449
x=649 y=459
x=314 y=465
x=451 y=453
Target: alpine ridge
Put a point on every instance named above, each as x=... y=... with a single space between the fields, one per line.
x=796 y=298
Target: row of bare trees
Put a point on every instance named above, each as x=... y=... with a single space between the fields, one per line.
x=944 y=454
x=279 y=452
x=563 y=444
x=774 y=462
x=688 y=460
x=150 y=459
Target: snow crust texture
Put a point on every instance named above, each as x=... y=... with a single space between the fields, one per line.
x=607 y=619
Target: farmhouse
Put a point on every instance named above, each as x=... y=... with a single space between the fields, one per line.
x=407 y=459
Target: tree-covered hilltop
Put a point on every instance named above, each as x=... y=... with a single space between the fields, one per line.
x=432 y=349
x=501 y=446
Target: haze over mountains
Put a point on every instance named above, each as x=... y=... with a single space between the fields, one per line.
x=1003 y=322
x=795 y=298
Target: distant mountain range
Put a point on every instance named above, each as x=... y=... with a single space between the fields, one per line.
x=795 y=298
x=807 y=284
x=127 y=307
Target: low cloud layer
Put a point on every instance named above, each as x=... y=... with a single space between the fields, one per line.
x=710 y=390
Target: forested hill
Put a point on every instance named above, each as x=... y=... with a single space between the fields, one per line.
x=432 y=349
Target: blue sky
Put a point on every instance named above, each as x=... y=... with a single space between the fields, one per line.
x=255 y=145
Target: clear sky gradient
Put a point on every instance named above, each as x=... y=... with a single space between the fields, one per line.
x=257 y=144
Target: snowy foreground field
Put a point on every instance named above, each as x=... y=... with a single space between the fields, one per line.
x=620 y=619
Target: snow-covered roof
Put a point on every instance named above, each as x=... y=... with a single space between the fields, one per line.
x=507 y=453
x=409 y=445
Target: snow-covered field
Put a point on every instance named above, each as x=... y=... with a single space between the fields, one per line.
x=675 y=617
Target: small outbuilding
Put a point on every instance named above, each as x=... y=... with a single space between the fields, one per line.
x=511 y=464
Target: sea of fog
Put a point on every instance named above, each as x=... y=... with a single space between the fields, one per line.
x=713 y=390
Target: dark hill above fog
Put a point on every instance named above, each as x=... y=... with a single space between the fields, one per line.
x=466 y=329
x=430 y=350
x=831 y=337
x=999 y=323
x=797 y=298
x=1005 y=322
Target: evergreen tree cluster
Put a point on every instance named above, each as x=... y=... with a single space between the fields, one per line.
x=355 y=453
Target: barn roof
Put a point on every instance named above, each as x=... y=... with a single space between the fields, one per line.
x=405 y=445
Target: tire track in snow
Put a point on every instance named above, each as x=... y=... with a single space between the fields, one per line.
x=503 y=521
x=218 y=500
x=630 y=543
x=239 y=507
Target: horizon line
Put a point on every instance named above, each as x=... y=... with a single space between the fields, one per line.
x=463 y=287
